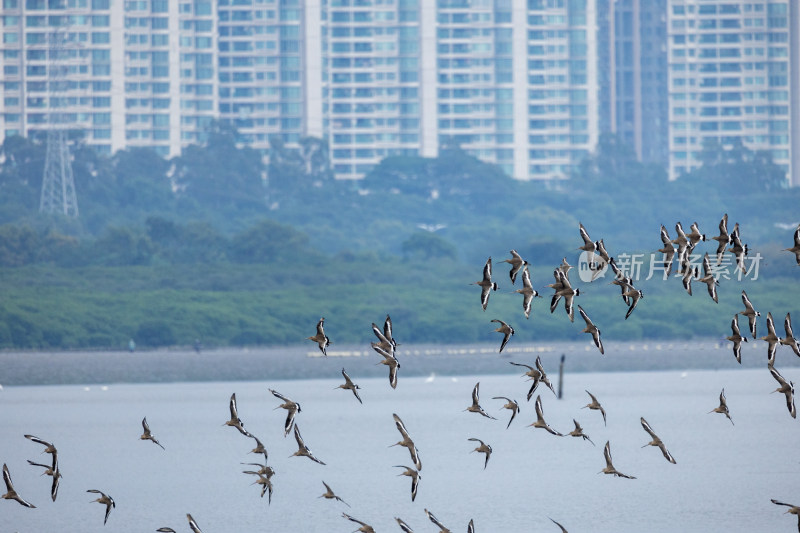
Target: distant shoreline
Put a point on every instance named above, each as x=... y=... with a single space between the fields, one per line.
x=21 y=368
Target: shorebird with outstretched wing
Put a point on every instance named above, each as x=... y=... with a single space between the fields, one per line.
x=320 y=338
x=540 y=422
x=147 y=434
x=235 y=421
x=104 y=499
x=292 y=408
x=407 y=442
x=609 y=469
x=656 y=441
x=302 y=449
x=10 y=493
x=511 y=405
x=476 y=407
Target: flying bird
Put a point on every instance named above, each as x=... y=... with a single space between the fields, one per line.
x=433 y=519
x=365 y=528
x=594 y=405
x=302 y=449
x=511 y=405
x=538 y=375
x=695 y=236
x=668 y=250
x=517 y=263
x=591 y=329
x=723 y=407
x=11 y=494
x=51 y=470
x=589 y=246
x=403 y=526
x=656 y=441
x=320 y=338
x=578 y=432
x=389 y=360
x=415 y=477
x=609 y=469
x=736 y=338
x=750 y=313
x=540 y=422
x=104 y=499
x=475 y=407
x=482 y=448
x=349 y=385
x=793 y=509
x=506 y=330
x=266 y=486
x=329 y=495
x=260 y=448
x=235 y=421
x=528 y=292
x=192 y=524
x=147 y=435
x=48 y=447
x=786 y=388
x=772 y=340
x=263 y=470
x=796 y=248
x=709 y=279
x=486 y=283
x=292 y=408
x=568 y=293
x=407 y=442
x=723 y=239
x=789 y=339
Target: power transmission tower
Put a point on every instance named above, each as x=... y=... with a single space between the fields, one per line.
x=58 y=183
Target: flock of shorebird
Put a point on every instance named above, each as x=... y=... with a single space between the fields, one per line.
x=385 y=345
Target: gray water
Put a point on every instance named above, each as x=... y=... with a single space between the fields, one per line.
x=723 y=480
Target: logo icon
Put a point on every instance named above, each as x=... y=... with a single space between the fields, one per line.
x=589 y=271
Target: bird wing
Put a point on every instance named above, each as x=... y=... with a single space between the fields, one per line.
x=297 y=437
x=279 y=395
x=735 y=326
x=475 y=393
x=607 y=454
x=585 y=316
x=38 y=440
x=357 y=521
x=434 y=519
x=787 y=326
x=487 y=270
x=648 y=429
x=234 y=411
x=387 y=329
x=347 y=379
x=770 y=325
x=585 y=235
x=392 y=375
x=746 y=301
x=400 y=426
x=538 y=406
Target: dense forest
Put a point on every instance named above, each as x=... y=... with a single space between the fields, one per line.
x=218 y=246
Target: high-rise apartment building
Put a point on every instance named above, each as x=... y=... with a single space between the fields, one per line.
x=632 y=54
x=512 y=83
x=733 y=73
x=132 y=73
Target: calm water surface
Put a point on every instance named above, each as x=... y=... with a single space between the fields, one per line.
x=723 y=480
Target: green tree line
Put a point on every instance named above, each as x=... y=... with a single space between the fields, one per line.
x=228 y=246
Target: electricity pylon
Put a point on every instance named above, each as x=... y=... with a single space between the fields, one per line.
x=58 y=183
